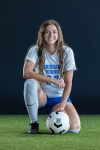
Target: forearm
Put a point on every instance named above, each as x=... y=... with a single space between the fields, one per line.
x=28 y=73
x=66 y=93
x=33 y=75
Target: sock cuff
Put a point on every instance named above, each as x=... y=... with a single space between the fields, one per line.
x=74 y=131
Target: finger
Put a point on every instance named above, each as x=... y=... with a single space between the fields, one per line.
x=64 y=85
x=61 y=86
x=58 y=109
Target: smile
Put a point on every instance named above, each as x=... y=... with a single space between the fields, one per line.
x=51 y=39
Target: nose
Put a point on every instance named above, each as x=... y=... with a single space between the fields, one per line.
x=51 y=33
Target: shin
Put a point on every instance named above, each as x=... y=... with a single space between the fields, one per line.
x=31 y=98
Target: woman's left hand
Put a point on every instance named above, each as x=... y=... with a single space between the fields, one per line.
x=61 y=108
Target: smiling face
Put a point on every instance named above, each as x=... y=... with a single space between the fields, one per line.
x=50 y=35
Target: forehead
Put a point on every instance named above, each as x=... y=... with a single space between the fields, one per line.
x=51 y=27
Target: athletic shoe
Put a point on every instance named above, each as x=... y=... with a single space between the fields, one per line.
x=34 y=128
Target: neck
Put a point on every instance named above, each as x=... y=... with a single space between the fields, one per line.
x=51 y=49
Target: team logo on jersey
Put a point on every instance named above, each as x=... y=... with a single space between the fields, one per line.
x=51 y=71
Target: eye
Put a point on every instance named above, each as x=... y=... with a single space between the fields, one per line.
x=54 y=31
x=46 y=31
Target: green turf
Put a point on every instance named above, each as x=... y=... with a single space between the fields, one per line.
x=14 y=136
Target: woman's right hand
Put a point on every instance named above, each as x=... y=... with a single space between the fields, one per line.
x=59 y=83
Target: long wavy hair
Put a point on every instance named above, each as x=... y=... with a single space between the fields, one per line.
x=59 y=47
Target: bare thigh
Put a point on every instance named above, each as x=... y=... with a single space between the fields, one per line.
x=73 y=115
x=42 y=98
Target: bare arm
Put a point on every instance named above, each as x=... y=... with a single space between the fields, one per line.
x=28 y=73
x=68 y=81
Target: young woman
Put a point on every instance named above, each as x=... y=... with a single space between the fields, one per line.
x=48 y=68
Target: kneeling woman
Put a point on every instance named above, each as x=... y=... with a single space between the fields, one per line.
x=48 y=68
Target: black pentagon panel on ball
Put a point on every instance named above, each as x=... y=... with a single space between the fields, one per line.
x=57 y=125
x=49 y=117
x=51 y=131
x=61 y=131
x=57 y=112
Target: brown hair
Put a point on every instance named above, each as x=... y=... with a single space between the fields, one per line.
x=59 y=47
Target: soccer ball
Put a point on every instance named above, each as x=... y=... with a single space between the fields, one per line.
x=58 y=122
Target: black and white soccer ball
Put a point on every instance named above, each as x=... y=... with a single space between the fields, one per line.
x=58 y=122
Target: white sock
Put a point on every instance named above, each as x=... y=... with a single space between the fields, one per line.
x=74 y=131
x=31 y=98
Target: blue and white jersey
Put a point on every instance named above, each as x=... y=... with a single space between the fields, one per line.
x=51 y=68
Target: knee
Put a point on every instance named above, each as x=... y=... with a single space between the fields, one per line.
x=76 y=126
x=31 y=84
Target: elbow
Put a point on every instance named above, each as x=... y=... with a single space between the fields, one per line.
x=25 y=75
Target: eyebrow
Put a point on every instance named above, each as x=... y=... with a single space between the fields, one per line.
x=49 y=30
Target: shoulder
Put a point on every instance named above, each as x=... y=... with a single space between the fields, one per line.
x=69 y=59
x=68 y=50
x=32 y=53
x=33 y=48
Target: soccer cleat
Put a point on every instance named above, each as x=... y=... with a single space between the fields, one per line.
x=34 y=128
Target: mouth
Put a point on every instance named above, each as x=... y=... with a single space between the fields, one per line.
x=51 y=39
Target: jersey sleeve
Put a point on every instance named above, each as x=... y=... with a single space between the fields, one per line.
x=32 y=54
x=70 y=61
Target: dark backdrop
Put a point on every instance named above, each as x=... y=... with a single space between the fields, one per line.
x=19 y=24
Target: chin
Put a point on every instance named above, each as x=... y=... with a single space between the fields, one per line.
x=51 y=43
